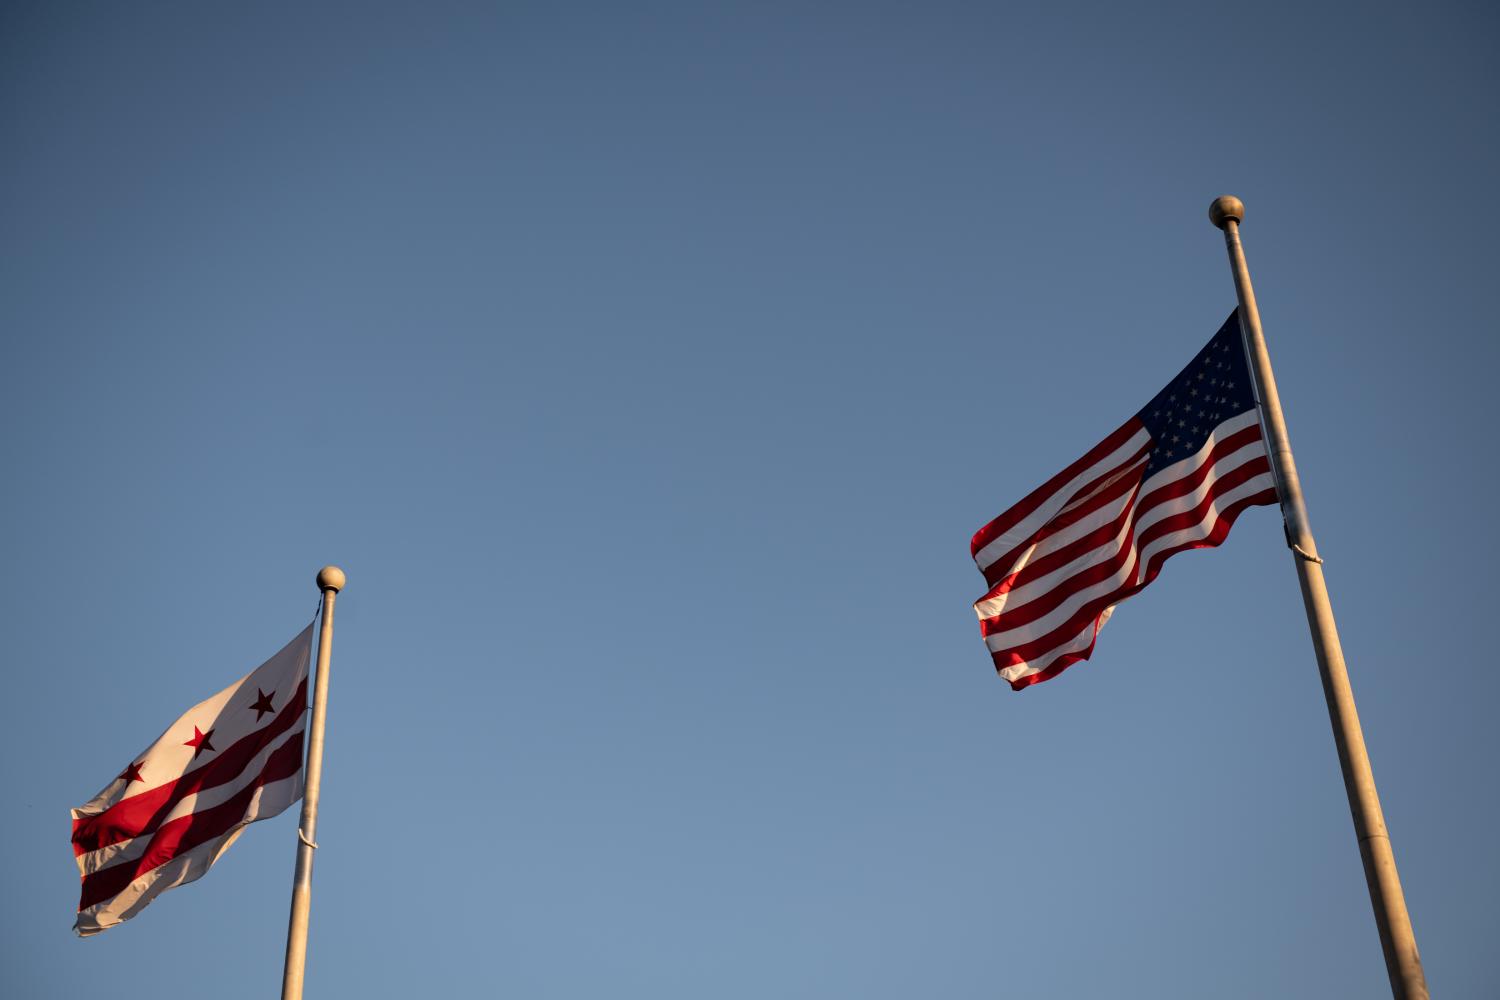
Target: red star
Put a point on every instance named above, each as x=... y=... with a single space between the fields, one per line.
x=199 y=742
x=263 y=704
x=131 y=773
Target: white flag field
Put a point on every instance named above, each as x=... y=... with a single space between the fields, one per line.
x=177 y=805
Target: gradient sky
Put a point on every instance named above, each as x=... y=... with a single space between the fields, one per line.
x=648 y=368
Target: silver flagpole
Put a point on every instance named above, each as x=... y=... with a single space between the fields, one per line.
x=1402 y=962
x=330 y=582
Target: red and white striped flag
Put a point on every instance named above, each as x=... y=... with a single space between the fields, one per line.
x=1172 y=477
x=165 y=819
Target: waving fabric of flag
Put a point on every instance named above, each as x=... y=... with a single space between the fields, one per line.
x=1172 y=477
x=179 y=804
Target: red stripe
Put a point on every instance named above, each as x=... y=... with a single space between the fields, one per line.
x=1049 y=600
x=1083 y=497
x=1098 y=493
x=1066 y=660
x=996 y=571
x=1173 y=488
x=1263 y=498
x=1238 y=476
x=1128 y=556
x=1043 y=565
x=1089 y=496
x=139 y=814
x=1169 y=490
x=1121 y=481
x=1036 y=497
x=1058 y=665
x=1215 y=537
x=187 y=832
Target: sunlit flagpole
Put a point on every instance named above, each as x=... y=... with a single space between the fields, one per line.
x=330 y=582
x=1403 y=963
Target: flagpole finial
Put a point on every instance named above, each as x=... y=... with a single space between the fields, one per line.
x=331 y=578
x=1224 y=208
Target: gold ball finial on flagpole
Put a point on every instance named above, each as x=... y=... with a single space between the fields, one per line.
x=1224 y=208
x=331 y=578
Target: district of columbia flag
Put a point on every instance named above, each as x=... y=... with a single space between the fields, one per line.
x=177 y=805
x=1172 y=477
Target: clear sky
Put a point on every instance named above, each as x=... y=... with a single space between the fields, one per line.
x=648 y=368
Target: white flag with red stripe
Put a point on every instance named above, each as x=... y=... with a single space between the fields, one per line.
x=176 y=806
x=1172 y=477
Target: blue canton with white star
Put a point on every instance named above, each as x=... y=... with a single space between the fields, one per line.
x=1212 y=388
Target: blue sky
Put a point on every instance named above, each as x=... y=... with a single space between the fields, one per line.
x=648 y=368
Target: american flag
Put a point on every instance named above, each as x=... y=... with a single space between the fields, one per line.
x=1172 y=477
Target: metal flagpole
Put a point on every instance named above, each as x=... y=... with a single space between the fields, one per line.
x=330 y=582
x=1402 y=962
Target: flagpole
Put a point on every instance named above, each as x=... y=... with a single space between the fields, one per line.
x=1403 y=963
x=330 y=582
